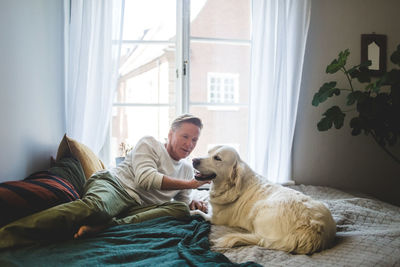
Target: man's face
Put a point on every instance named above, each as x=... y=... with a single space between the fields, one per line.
x=183 y=140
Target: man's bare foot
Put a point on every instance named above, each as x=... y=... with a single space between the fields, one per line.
x=86 y=230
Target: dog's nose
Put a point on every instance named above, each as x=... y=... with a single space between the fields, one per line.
x=196 y=162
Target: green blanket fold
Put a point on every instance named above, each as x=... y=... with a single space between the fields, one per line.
x=159 y=242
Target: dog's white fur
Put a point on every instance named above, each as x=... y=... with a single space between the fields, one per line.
x=275 y=217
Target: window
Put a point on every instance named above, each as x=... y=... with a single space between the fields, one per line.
x=223 y=88
x=183 y=56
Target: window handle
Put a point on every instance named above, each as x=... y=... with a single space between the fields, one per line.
x=184 y=67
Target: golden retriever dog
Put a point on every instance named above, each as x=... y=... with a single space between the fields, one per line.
x=275 y=217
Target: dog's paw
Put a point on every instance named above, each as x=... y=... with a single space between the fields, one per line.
x=237 y=239
x=225 y=242
x=202 y=214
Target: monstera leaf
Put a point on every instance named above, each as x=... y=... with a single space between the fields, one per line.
x=353 y=97
x=326 y=90
x=395 y=57
x=393 y=77
x=338 y=63
x=357 y=124
x=335 y=116
x=360 y=72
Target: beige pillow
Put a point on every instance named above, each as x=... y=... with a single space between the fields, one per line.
x=89 y=161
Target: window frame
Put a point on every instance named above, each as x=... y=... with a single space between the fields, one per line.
x=182 y=42
x=182 y=46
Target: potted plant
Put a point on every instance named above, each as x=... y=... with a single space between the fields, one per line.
x=377 y=103
x=124 y=148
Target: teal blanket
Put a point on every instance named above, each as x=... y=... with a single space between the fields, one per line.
x=159 y=242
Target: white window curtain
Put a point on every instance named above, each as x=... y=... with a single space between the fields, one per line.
x=92 y=39
x=279 y=36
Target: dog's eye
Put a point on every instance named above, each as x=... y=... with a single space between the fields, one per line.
x=217 y=158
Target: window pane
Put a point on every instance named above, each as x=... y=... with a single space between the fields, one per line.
x=228 y=127
x=224 y=19
x=149 y=20
x=219 y=69
x=220 y=72
x=129 y=124
x=147 y=74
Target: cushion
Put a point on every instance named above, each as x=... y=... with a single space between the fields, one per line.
x=89 y=161
x=37 y=192
x=71 y=170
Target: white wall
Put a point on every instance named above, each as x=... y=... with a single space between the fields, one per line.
x=31 y=85
x=336 y=158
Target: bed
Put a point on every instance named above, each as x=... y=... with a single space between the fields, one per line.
x=368 y=230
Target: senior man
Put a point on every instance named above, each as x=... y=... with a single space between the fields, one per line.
x=154 y=180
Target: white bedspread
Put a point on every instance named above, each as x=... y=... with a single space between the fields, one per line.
x=368 y=234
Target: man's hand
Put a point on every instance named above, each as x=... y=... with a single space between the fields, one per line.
x=169 y=183
x=196 y=183
x=199 y=205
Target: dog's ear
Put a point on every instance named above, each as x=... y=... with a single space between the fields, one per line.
x=236 y=173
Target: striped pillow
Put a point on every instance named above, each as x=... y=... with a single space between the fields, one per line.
x=37 y=192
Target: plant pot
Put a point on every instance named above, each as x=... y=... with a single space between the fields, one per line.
x=118 y=160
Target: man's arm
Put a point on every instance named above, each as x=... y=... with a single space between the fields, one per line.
x=169 y=183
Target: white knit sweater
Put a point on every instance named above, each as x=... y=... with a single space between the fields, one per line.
x=142 y=171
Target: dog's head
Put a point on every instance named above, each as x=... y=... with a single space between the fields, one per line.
x=222 y=163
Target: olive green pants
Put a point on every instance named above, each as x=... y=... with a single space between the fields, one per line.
x=105 y=202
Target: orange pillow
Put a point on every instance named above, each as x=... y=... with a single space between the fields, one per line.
x=37 y=192
x=89 y=161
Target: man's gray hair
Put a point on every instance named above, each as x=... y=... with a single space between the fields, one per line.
x=186 y=118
